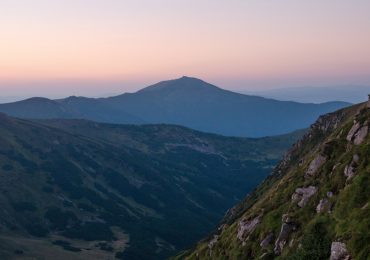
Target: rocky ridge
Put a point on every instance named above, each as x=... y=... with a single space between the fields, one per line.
x=315 y=203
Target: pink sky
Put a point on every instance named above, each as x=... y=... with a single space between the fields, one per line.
x=96 y=47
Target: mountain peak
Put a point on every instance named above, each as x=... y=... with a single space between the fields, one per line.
x=183 y=83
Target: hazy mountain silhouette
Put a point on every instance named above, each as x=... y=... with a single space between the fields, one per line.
x=186 y=101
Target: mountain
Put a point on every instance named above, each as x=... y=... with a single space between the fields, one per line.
x=76 y=189
x=349 y=93
x=186 y=101
x=315 y=204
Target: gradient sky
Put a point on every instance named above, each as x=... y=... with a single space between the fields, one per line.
x=99 y=47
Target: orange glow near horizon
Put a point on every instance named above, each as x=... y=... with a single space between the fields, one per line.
x=129 y=40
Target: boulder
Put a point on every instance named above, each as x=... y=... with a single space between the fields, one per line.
x=322 y=206
x=267 y=240
x=361 y=135
x=287 y=228
x=315 y=165
x=302 y=195
x=353 y=131
x=247 y=226
x=350 y=170
x=338 y=251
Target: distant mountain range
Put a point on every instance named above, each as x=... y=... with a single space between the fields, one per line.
x=351 y=94
x=186 y=101
x=75 y=189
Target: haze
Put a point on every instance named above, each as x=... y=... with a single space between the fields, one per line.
x=93 y=48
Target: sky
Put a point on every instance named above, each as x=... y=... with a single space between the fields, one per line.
x=104 y=47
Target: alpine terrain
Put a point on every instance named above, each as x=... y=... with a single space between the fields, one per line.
x=315 y=204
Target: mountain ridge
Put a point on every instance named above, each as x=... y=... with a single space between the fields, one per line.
x=187 y=101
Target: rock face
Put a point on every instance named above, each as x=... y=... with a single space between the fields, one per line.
x=247 y=226
x=352 y=131
x=361 y=135
x=287 y=228
x=339 y=251
x=315 y=165
x=267 y=240
x=302 y=195
x=358 y=133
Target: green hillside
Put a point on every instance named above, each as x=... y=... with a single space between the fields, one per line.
x=83 y=190
x=315 y=204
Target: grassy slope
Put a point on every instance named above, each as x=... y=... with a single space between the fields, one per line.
x=162 y=187
x=348 y=222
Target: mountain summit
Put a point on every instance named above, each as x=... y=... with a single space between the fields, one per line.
x=185 y=101
x=181 y=84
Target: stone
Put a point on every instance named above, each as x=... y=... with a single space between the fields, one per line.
x=285 y=231
x=212 y=243
x=267 y=240
x=338 y=251
x=329 y=194
x=247 y=226
x=302 y=195
x=350 y=170
x=361 y=135
x=315 y=165
x=323 y=205
x=353 y=131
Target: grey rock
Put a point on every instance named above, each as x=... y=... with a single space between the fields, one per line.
x=247 y=226
x=361 y=135
x=212 y=243
x=315 y=165
x=302 y=195
x=350 y=170
x=267 y=240
x=329 y=194
x=353 y=131
x=339 y=251
x=323 y=205
x=285 y=231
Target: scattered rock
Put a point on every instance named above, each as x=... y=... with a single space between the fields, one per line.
x=339 y=251
x=329 y=194
x=287 y=228
x=302 y=195
x=267 y=240
x=315 y=165
x=361 y=135
x=247 y=226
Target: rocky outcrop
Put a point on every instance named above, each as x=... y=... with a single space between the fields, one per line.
x=247 y=226
x=361 y=135
x=315 y=164
x=339 y=251
x=287 y=228
x=302 y=195
x=350 y=170
x=267 y=240
x=356 y=126
x=358 y=133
